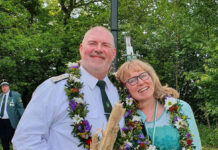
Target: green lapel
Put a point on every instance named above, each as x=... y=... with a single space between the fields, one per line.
x=1 y=98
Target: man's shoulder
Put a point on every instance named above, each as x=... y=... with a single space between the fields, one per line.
x=14 y=93
x=51 y=85
x=59 y=78
x=53 y=82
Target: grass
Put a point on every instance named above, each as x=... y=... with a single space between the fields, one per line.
x=209 y=148
x=209 y=137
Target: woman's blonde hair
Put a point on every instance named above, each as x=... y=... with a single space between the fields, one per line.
x=137 y=65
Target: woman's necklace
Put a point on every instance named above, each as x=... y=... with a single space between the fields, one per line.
x=153 y=147
x=132 y=137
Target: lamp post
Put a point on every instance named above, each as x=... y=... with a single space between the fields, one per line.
x=114 y=28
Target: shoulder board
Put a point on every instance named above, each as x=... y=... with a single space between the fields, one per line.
x=60 y=77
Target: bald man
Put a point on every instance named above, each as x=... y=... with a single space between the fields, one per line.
x=46 y=124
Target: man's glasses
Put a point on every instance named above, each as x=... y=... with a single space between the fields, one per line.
x=134 y=80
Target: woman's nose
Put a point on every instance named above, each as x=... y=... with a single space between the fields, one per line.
x=140 y=81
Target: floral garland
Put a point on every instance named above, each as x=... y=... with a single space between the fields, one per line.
x=132 y=136
x=180 y=122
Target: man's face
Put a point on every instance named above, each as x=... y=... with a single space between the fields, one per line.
x=97 y=51
x=5 y=88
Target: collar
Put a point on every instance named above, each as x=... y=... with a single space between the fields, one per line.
x=90 y=80
x=6 y=93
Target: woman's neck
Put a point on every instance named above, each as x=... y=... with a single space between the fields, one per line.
x=148 y=108
x=147 y=105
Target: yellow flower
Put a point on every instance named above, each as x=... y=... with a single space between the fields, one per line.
x=183 y=117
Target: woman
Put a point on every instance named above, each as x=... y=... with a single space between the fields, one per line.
x=169 y=122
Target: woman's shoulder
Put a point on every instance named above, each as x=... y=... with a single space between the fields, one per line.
x=183 y=102
x=184 y=105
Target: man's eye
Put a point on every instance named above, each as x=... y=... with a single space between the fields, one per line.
x=92 y=43
x=106 y=45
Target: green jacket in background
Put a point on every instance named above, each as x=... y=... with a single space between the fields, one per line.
x=14 y=107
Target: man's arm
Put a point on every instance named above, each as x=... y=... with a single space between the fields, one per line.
x=19 y=105
x=33 y=129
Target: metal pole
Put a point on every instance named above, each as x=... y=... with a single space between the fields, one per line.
x=114 y=28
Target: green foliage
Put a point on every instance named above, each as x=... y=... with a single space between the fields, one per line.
x=179 y=39
x=37 y=41
x=209 y=137
x=205 y=81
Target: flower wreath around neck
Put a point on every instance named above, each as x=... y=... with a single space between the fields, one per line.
x=131 y=137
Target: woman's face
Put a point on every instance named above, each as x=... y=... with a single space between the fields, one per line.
x=140 y=85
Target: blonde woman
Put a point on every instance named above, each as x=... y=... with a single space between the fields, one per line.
x=168 y=122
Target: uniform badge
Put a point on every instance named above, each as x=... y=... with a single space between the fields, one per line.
x=59 y=78
x=20 y=100
x=11 y=104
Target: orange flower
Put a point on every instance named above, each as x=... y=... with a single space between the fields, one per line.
x=143 y=145
x=189 y=142
x=175 y=107
x=132 y=124
x=72 y=90
x=171 y=108
x=89 y=141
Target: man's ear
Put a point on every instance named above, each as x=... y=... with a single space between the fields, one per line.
x=114 y=53
x=80 y=49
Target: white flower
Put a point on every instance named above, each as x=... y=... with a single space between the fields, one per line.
x=129 y=101
x=128 y=143
x=78 y=100
x=114 y=74
x=136 y=118
x=75 y=79
x=180 y=123
x=169 y=102
x=152 y=147
x=70 y=64
x=123 y=134
x=76 y=119
x=138 y=146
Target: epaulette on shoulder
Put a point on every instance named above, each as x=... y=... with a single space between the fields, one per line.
x=60 y=77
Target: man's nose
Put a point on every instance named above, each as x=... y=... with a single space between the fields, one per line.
x=98 y=47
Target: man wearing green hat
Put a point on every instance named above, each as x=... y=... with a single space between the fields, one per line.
x=11 y=109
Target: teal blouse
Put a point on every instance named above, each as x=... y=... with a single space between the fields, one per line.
x=166 y=136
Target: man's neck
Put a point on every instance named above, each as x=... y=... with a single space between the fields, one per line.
x=6 y=92
x=96 y=74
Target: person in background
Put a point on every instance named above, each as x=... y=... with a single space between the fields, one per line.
x=157 y=105
x=11 y=110
x=46 y=124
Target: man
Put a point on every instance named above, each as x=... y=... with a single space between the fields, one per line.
x=46 y=124
x=11 y=109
